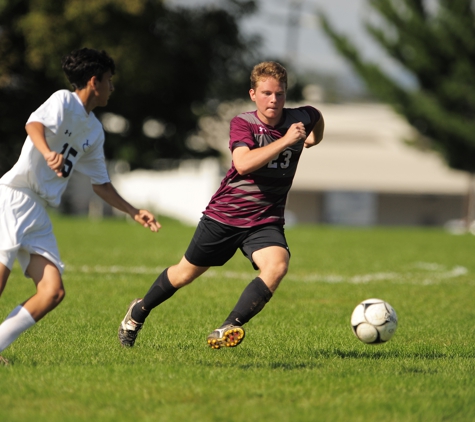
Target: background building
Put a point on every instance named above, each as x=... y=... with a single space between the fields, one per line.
x=364 y=173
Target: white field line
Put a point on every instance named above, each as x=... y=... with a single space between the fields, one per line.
x=114 y=269
x=426 y=273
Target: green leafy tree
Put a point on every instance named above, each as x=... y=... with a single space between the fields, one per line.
x=435 y=43
x=170 y=64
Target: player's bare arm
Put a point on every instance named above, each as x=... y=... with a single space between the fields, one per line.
x=316 y=135
x=246 y=160
x=108 y=193
x=55 y=160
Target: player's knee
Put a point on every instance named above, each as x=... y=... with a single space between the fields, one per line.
x=60 y=294
x=280 y=269
x=53 y=295
x=273 y=274
x=56 y=296
x=184 y=273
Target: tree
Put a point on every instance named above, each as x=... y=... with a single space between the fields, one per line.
x=170 y=63
x=437 y=46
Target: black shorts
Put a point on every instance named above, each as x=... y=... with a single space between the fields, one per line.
x=214 y=243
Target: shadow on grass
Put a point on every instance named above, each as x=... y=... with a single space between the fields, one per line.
x=373 y=354
x=278 y=365
x=286 y=366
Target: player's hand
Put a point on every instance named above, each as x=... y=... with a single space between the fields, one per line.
x=296 y=132
x=146 y=219
x=55 y=162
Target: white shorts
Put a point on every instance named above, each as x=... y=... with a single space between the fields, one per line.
x=25 y=229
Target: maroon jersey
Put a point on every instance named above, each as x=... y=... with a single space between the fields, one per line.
x=259 y=197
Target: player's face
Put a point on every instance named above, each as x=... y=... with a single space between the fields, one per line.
x=104 y=89
x=269 y=97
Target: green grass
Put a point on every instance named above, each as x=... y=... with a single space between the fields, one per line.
x=299 y=361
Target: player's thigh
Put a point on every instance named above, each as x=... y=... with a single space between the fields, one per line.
x=46 y=275
x=4 y=274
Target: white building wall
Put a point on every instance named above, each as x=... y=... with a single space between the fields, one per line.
x=181 y=194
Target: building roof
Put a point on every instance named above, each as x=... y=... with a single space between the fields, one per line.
x=364 y=149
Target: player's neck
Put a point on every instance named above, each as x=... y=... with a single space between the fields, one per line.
x=87 y=98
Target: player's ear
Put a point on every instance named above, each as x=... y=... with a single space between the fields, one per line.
x=252 y=94
x=93 y=82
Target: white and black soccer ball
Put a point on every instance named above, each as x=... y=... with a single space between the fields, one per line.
x=374 y=321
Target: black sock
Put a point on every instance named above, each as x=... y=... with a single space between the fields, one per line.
x=159 y=292
x=252 y=301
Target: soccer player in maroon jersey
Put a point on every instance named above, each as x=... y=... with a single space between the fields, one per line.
x=247 y=211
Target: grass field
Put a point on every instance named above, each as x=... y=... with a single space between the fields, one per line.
x=299 y=361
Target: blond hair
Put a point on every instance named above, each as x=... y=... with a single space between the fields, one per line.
x=265 y=70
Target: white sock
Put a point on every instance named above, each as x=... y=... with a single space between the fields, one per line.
x=18 y=321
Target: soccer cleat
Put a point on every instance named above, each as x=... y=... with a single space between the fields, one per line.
x=129 y=329
x=227 y=336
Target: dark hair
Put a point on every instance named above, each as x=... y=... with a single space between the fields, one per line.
x=81 y=65
x=266 y=70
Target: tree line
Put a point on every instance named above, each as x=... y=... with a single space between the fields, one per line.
x=171 y=64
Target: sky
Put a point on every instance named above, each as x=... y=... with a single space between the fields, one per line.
x=308 y=47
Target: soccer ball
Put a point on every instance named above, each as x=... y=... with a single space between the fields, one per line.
x=374 y=321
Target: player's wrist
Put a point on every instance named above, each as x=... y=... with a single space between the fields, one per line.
x=47 y=155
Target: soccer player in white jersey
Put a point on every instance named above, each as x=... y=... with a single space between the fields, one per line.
x=63 y=136
x=247 y=211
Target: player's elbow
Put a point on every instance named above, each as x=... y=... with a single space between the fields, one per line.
x=101 y=189
x=242 y=170
x=318 y=140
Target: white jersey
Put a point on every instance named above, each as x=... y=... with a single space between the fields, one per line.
x=69 y=130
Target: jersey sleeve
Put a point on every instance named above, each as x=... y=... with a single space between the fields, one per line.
x=51 y=113
x=314 y=115
x=240 y=134
x=93 y=164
